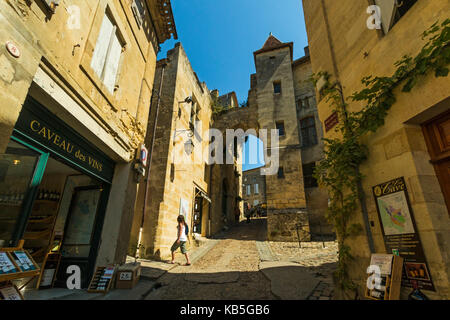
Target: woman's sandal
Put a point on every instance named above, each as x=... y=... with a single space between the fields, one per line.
x=187 y=264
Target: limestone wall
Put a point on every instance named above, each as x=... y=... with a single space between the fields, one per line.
x=398 y=148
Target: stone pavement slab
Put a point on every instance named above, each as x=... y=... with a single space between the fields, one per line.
x=289 y=281
x=212 y=278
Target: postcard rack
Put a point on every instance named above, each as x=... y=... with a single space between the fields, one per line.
x=16 y=263
x=102 y=280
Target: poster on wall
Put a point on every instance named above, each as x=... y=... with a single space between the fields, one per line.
x=400 y=232
x=184 y=208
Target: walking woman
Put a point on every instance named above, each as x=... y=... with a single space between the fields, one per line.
x=182 y=238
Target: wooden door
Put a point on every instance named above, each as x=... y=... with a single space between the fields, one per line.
x=437 y=136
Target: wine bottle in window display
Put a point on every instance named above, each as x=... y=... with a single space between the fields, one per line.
x=46 y=195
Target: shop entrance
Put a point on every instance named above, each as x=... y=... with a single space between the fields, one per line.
x=437 y=136
x=54 y=188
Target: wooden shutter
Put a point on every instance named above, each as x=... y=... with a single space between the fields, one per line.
x=112 y=63
x=388 y=9
x=101 y=47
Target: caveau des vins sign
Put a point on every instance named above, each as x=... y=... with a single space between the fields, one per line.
x=51 y=133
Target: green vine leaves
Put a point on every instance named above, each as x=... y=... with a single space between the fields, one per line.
x=339 y=171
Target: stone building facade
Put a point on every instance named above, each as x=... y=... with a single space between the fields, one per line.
x=412 y=144
x=76 y=79
x=254 y=187
x=179 y=179
x=281 y=93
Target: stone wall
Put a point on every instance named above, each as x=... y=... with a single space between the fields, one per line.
x=288 y=225
x=54 y=68
x=341 y=44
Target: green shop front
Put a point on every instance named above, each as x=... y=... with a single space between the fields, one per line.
x=54 y=189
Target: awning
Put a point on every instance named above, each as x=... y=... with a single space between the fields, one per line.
x=202 y=194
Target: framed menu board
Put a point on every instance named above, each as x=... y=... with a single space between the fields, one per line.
x=102 y=279
x=400 y=232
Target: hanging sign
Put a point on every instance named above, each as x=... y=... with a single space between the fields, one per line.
x=400 y=232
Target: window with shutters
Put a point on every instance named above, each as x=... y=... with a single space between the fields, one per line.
x=107 y=54
x=308 y=132
x=309 y=180
x=138 y=11
x=392 y=11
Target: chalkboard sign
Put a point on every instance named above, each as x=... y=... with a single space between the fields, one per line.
x=102 y=279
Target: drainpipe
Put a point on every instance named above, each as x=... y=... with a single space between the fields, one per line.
x=361 y=194
x=147 y=183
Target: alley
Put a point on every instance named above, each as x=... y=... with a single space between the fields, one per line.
x=244 y=266
x=230 y=270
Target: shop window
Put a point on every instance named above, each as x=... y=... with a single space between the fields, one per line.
x=280 y=128
x=308 y=132
x=308 y=172
x=107 y=54
x=392 y=11
x=277 y=87
x=281 y=173
x=17 y=167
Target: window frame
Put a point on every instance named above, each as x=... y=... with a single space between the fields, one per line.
x=280 y=123
x=312 y=141
x=277 y=84
x=309 y=177
x=85 y=64
x=280 y=173
x=115 y=34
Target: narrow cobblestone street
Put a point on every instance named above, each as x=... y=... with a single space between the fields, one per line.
x=229 y=271
x=242 y=266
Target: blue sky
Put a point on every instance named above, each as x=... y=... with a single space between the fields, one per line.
x=220 y=36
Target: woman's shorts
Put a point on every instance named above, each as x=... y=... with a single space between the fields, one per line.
x=181 y=245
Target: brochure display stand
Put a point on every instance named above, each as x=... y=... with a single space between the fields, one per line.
x=102 y=280
x=391 y=267
x=16 y=263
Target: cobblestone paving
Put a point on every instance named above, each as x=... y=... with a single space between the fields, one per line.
x=229 y=271
x=311 y=255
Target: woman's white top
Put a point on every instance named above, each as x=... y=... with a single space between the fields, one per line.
x=183 y=236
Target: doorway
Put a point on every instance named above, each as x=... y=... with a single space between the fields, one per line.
x=437 y=136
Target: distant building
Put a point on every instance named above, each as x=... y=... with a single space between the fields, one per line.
x=254 y=187
x=282 y=97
